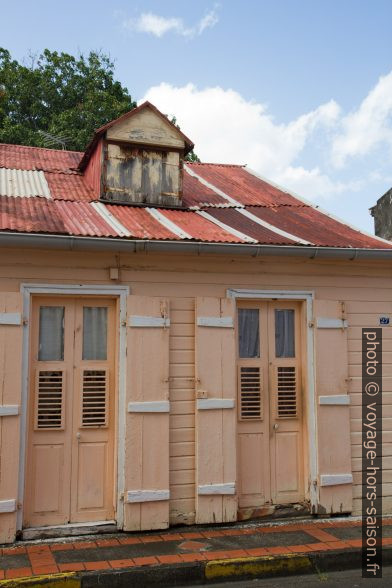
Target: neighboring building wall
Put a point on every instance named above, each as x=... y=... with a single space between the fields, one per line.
x=365 y=288
x=382 y=213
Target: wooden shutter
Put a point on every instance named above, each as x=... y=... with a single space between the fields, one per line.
x=147 y=431
x=250 y=393
x=333 y=423
x=10 y=400
x=215 y=427
x=49 y=400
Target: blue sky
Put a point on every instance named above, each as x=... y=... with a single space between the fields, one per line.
x=299 y=90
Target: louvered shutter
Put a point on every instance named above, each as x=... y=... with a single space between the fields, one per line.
x=49 y=400
x=333 y=423
x=147 y=428
x=216 y=499
x=10 y=399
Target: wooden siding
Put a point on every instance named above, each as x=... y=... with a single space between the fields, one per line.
x=182 y=405
x=366 y=314
x=365 y=287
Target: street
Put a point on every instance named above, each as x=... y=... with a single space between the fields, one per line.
x=349 y=579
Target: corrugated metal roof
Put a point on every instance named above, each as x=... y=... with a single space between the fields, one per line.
x=23 y=157
x=222 y=203
x=39 y=215
x=24 y=183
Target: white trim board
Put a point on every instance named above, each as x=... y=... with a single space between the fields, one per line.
x=216 y=489
x=120 y=292
x=9 y=409
x=214 y=403
x=147 y=495
x=215 y=321
x=7 y=505
x=335 y=479
x=148 y=321
x=331 y=323
x=10 y=318
x=153 y=406
x=335 y=400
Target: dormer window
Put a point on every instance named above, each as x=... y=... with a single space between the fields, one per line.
x=137 y=159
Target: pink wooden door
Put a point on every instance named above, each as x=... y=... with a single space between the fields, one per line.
x=70 y=457
x=270 y=437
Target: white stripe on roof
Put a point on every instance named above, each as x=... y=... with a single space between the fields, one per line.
x=23 y=183
x=266 y=225
x=168 y=224
x=227 y=228
x=212 y=187
x=110 y=219
x=315 y=206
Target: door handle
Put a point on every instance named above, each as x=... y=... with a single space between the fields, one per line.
x=78 y=436
x=275 y=427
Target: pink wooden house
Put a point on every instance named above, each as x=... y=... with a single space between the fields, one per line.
x=179 y=342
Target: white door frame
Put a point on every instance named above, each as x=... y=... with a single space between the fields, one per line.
x=120 y=292
x=311 y=423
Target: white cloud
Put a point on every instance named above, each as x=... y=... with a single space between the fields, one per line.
x=367 y=127
x=227 y=128
x=158 y=26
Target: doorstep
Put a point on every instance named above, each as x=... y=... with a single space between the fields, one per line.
x=186 y=554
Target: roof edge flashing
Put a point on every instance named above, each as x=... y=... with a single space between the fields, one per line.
x=69 y=243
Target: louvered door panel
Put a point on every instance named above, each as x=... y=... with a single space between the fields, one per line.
x=250 y=389
x=49 y=400
x=94 y=399
x=287 y=404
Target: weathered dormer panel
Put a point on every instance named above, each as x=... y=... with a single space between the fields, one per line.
x=141 y=175
x=142 y=160
x=146 y=127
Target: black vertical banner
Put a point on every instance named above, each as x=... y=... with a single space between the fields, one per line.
x=371 y=453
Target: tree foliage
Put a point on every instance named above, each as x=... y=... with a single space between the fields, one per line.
x=58 y=94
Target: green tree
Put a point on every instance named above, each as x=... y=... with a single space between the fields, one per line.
x=59 y=94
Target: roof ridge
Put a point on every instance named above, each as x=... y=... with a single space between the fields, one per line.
x=41 y=148
x=215 y=164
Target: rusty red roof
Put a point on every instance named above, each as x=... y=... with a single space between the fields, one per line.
x=221 y=204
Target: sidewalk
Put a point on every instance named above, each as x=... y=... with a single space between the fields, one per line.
x=189 y=555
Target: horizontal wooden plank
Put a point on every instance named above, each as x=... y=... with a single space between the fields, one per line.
x=147 y=495
x=7 y=506
x=216 y=489
x=331 y=323
x=182 y=316
x=148 y=321
x=182 y=449
x=182 y=491
x=184 y=370
x=182 y=477
x=182 y=421
x=335 y=400
x=183 y=462
x=214 y=403
x=182 y=343
x=182 y=435
x=181 y=356
x=180 y=394
x=182 y=330
x=186 y=407
x=10 y=318
x=215 y=322
x=335 y=479
x=9 y=409
x=153 y=406
x=182 y=304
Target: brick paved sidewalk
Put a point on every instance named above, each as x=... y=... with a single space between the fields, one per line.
x=125 y=550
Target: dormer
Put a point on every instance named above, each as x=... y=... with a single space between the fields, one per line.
x=137 y=159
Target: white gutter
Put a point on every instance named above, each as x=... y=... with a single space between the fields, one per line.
x=68 y=243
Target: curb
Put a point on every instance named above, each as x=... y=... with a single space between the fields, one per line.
x=245 y=568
